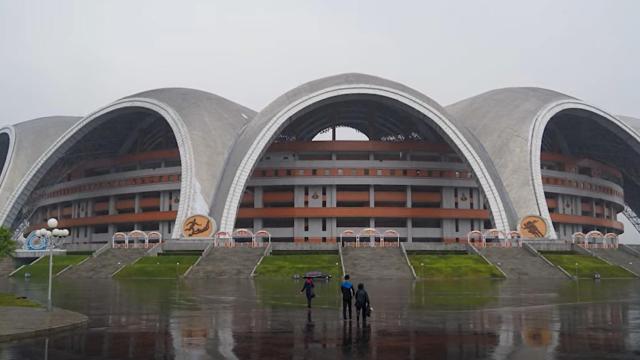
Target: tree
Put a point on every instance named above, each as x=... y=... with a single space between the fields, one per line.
x=7 y=246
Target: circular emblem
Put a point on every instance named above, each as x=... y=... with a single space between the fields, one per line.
x=198 y=226
x=533 y=226
x=36 y=243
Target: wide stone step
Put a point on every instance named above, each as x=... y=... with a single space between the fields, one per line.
x=375 y=263
x=104 y=265
x=228 y=263
x=517 y=263
x=620 y=258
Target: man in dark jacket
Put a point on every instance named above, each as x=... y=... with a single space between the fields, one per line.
x=362 y=303
x=347 y=294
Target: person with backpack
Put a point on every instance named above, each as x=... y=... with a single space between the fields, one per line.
x=308 y=289
x=362 y=303
x=347 y=294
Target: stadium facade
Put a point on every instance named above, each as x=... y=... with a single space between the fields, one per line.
x=424 y=173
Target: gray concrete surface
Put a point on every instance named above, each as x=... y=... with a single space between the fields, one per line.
x=235 y=262
x=620 y=258
x=104 y=265
x=375 y=263
x=23 y=322
x=519 y=263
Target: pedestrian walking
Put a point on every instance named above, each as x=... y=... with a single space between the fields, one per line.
x=308 y=289
x=347 y=295
x=362 y=303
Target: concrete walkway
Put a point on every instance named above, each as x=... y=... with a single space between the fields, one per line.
x=24 y=322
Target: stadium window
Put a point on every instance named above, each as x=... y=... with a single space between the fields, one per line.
x=324 y=224
x=327 y=172
x=379 y=172
x=288 y=172
x=340 y=172
x=366 y=172
x=314 y=172
x=301 y=172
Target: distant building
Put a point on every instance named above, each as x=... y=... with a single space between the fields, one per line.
x=420 y=171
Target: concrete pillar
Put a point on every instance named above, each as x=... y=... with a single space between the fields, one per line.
x=257 y=197
x=136 y=204
x=372 y=200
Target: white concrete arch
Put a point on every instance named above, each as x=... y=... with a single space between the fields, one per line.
x=65 y=141
x=11 y=133
x=536 y=133
x=277 y=123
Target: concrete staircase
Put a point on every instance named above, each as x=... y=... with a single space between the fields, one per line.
x=375 y=263
x=227 y=263
x=518 y=263
x=6 y=266
x=620 y=258
x=103 y=265
x=634 y=247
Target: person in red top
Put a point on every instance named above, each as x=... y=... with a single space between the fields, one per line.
x=308 y=289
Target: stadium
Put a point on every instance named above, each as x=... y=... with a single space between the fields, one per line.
x=332 y=161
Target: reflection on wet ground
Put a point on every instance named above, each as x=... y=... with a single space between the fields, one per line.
x=261 y=319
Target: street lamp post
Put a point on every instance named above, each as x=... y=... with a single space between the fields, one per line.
x=50 y=235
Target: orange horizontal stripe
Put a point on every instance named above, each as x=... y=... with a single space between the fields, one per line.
x=586 y=220
x=125 y=204
x=151 y=216
x=352 y=196
x=569 y=161
x=101 y=206
x=392 y=196
x=426 y=197
x=282 y=196
x=338 y=146
x=149 y=202
x=346 y=212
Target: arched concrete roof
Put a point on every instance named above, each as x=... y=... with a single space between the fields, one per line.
x=261 y=131
x=510 y=124
x=205 y=127
x=631 y=121
x=28 y=140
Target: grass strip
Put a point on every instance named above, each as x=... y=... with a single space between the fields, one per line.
x=587 y=265
x=453 y=267
x=285 y=266
x=40 y=270
x=158 y=267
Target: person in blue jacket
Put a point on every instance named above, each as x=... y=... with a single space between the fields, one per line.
x=347 y=295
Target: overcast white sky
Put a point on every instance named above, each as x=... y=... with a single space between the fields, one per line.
x=71 y=57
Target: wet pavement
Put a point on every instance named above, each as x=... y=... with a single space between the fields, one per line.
x=263 y=319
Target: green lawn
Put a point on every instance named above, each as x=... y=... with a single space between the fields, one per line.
x=587 y=265
x=40 y=270
x=285 y=266
x=158 y=267
x=12 y=300
x=453 y=267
